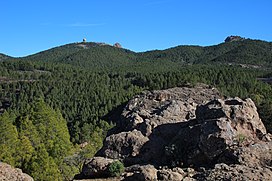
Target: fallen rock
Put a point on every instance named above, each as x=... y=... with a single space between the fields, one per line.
x=8 y=173
x=123 y=145
x=174 y=174
x=141 y=173
x=96 y=167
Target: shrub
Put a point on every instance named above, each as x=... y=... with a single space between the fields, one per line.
x=116 y=168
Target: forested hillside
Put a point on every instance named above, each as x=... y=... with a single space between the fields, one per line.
x=3 y=57
x=69 y=93
x=253 y=52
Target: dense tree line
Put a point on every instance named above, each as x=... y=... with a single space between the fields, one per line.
x=37 y=141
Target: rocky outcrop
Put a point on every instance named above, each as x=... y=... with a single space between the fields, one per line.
x=8 y=173
x=153 y=108
x=193 y=128
x=223 y=171
x=150 y=121
x=219 y=128
x=117 y=45
x=233 y=38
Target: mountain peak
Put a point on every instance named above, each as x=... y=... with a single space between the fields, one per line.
x=234 y=38
x=117 y=45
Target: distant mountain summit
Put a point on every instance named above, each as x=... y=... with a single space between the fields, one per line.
x=234 y=38
x=117 y=45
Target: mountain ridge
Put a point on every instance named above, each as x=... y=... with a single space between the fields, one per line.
x=90 y=54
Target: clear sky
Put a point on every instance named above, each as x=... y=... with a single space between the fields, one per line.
x=30 y=26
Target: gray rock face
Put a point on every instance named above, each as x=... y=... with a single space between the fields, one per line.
x=150 y=109
x=220 y=126
x=253 y=163
x=141 y=173
x=8 y=173
x=151 y=120
x=171 y=174
x=161 y=132
x=237 y=172
x=123 y=145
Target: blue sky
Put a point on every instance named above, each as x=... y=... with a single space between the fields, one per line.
x=30 y=26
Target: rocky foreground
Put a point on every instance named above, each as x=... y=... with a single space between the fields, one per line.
x=186 y=134
x=9 y=173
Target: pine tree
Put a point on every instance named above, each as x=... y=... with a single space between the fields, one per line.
x=8 y=140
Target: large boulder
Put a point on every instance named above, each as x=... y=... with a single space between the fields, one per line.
x=7 y=172
x=141 y=173
x=123 y=145
x=96 y=167
x=170 y=174
x=219 y=128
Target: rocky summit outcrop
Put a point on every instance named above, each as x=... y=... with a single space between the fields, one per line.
x=185 y=134
x=233 y=38
x=9 y=173
x=152 y=119
x=117 y=45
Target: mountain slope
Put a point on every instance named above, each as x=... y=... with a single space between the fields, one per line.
x=240 y=52
x=3 y=57
x=103 y=56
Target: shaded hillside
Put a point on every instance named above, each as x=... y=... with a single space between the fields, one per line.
x=248 y=52
x=183 y=54
x=240 y=52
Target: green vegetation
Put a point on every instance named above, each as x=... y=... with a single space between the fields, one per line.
x=241 y=138
x=38 y=143
x=116 y=168
x=54 y=101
